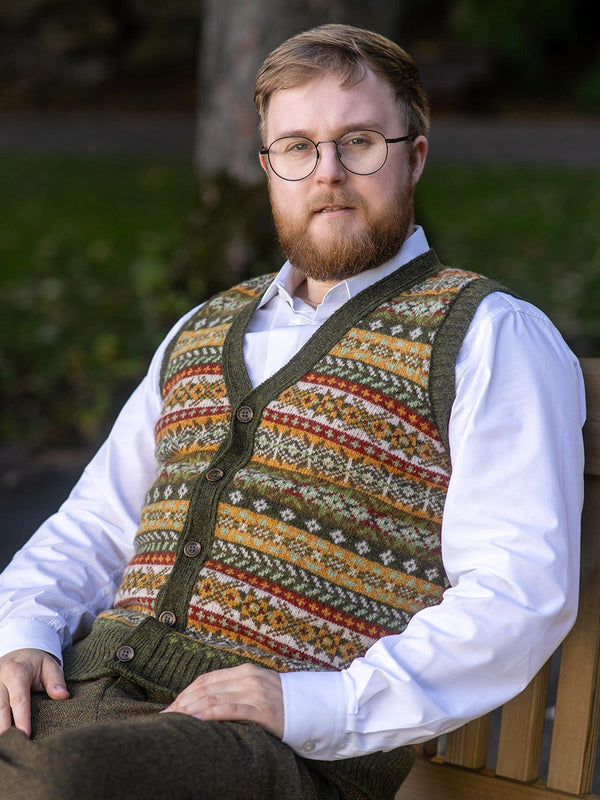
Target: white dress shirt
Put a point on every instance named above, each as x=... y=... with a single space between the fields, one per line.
x=510 y=533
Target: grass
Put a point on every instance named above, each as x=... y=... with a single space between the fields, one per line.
x=534 y=229
x=97 y=263
x=84 y=246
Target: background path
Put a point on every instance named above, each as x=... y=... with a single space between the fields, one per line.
x=573 y=142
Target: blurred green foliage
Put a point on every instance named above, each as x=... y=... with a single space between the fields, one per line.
x=84 y=247
x=546 y=49
x=519 y=29
x=535 y=229
x=588 y=88
x=100 y=256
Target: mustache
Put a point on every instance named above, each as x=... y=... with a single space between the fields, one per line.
x=335 y=199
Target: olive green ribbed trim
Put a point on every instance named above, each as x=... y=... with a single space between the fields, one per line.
x=448 y=341
x=167 y=355
x=239 y=387
x=87 y=659
x=164 y=659
x=173 y=341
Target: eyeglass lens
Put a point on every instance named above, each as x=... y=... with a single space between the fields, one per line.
x=361 y=152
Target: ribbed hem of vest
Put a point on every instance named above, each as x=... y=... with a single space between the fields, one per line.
x=376 y=776
x=163 y=661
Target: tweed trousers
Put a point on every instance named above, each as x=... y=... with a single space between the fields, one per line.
x=108 y=742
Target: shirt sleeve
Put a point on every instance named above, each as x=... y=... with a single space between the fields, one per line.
x=70 y=569
x=510 y=546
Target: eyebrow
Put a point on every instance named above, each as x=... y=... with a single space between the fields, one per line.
x=364 y=125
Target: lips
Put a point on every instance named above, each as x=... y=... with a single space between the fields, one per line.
x=329 y=203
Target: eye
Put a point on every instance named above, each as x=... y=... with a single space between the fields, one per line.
x=358 y=140
x=297 y=147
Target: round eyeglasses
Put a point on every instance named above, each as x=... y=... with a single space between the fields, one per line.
x=294 y=158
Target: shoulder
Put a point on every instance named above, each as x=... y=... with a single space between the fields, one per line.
x=510 y=322
x=498 y=304
x=511 y=341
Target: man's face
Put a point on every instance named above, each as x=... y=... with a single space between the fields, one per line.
x=334 y=224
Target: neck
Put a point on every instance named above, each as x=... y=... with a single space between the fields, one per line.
x=313 y=292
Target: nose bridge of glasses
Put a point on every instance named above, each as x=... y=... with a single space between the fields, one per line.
x=336 y=150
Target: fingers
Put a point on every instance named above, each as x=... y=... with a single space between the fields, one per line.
x=5 y=712
x=53 y=680
x=17 y=677
x=240 y=693
x=22 y=671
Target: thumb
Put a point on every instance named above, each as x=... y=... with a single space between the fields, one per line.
x=54 y=680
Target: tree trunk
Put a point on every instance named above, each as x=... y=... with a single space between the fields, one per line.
x=228 y=234
x=236 y=37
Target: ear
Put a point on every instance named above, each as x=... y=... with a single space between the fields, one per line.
x=419 y=156
x=264 y=163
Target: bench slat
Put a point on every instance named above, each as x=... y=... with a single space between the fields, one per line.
x=468 y=746
x=433 y=781
x=522 y=730
x=591 y=430
x=575 y=730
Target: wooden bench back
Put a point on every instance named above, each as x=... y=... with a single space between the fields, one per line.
x=575 y=725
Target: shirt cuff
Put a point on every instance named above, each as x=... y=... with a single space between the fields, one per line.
x=315 y=713
x=21 y=633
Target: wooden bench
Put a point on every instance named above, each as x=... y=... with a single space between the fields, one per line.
x=461 y=772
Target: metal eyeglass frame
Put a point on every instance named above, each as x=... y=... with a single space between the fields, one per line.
x=265 y=151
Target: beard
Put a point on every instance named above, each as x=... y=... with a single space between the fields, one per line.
x=344 y=252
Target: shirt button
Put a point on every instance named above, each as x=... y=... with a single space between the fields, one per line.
x=214 y=474
x=244 y=413
x=125 y=653
x=168 y=618
x=309 y=746
x=192 y=549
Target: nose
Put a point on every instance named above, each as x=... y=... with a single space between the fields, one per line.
x=329 y=168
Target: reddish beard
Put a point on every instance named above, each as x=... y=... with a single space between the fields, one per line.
x=344 y=253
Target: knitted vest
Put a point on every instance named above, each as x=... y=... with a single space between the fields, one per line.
x=294 y=524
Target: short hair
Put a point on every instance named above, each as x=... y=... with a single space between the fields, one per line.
x=345 y=51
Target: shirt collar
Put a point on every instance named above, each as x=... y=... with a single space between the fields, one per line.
x=289 y=278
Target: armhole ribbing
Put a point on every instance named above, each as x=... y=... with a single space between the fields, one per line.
x=259 y=281
x=169 y=351
x=447 y=344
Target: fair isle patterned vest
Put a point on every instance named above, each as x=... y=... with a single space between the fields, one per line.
x=294 y=524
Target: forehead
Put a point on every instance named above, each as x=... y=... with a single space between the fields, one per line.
x=322 y=107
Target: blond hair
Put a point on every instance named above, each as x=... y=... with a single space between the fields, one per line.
x=345 y=51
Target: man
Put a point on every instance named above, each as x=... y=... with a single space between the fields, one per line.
x=292 y=448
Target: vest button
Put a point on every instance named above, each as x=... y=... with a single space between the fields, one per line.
x=214 y=474
x=244 y=414
x=125 y=653
x=192 y=549
x=168 y=618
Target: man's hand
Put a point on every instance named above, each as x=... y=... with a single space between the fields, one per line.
x=240 y=693
x=24 y=671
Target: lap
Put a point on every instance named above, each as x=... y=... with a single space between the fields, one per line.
x=110 y=742
x=101 y=700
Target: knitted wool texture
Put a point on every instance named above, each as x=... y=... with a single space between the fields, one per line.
x=294 y=524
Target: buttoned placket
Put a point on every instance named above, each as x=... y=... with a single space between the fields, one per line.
x=195 y=544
